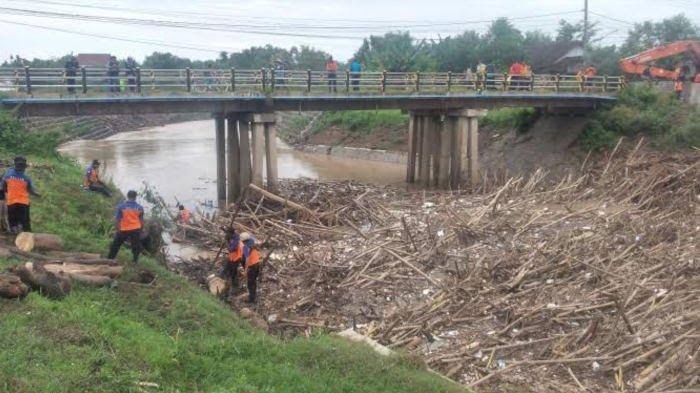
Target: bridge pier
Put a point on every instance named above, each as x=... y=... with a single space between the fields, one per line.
x=443 y=148
x=245 y=147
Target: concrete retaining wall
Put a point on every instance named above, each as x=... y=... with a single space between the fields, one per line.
x=357 y=153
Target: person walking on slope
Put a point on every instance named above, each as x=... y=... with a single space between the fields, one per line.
x=129 y=222
x=234 y=260
x=251 y=261
x=17 y=187
x=332 y=74
x=92 y=182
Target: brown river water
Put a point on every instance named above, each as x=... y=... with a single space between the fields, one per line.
x=179 y=161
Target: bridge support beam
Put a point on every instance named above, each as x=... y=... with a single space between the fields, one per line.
x=443 y=148
x=234 y=152
x=220 y=158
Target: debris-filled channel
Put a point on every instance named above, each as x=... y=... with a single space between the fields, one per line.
x=589 y=283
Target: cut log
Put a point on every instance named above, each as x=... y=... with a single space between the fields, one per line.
x=217 y=285
x=91 y=280
x=52 y=285
x=12 y=287
x=73 y=255
x=28 y=241
x=283 y=201
x=91 y=270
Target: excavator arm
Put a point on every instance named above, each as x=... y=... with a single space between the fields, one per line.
x=638 y=63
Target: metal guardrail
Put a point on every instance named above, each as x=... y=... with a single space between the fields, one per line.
x=97 y=81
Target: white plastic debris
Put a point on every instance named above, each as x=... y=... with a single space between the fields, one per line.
x=441 y=233
x=272 y=318
x=501 y=363
x=428 y=205
x=551 y=305
x=595 y=366
x=550 y=281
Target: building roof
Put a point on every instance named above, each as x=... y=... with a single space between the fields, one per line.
x=93 y=59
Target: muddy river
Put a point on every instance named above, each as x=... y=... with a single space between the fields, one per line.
x=179 y=161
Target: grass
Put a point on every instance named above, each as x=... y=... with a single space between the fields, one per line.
x=170 y=333
x=520 y=119
x=643 y=110
x=362 y=122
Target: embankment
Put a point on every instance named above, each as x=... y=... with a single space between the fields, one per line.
x=167 y=335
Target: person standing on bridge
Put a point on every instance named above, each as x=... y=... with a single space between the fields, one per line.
x=91 y=180
x=131 y=73
x=17 y=187
x=113 y=74
x=129 y=222
x=332 y=74
x=71 y=70
x=355 y=74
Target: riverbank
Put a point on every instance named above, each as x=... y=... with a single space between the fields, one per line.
x=167 y=335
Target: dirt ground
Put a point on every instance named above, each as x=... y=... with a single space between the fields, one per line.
x=588 y=283
x=384 y=139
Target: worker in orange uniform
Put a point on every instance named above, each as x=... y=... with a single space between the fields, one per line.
x=92 y=181
x=129 y=222
x=515 y=73
x=251 y=261
x=235 y=259
x=679 y=83
x=17 y=187
x=184 y=217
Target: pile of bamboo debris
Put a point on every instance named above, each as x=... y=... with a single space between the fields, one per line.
x=591 y=283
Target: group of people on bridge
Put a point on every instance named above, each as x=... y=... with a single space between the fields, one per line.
x=113 y=74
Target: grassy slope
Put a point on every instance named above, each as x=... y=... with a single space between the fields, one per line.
x=171 y=333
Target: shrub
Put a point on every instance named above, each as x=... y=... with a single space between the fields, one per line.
x=520 y=119
x=13 y=137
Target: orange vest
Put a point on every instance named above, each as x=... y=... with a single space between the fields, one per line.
x=17 y=189
x=237 y=254
x=129 y=215
x=253 y=258
x=91 y=177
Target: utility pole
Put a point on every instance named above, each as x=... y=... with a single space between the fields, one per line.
x=585 y=23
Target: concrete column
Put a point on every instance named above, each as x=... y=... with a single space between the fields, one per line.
x=244 y=157
x=233 y=167
x=474 y=177
x=271 y=153
x=418 y=121
x=445 y=154
x=435 y=153
x=468 y=143
x=412 y=148
x=220 y=158
x=455 y=150
x=426 y=150
x=258 y=152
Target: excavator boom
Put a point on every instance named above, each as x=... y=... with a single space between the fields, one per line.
x=638 y=63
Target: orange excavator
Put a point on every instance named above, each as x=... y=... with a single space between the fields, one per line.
x=639 y=64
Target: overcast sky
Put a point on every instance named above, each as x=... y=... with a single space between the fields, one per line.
x=336 y=27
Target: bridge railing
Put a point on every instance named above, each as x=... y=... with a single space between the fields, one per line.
x=98 y=81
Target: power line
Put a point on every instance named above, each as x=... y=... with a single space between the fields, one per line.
x=159 y=43
x=367 y=23
x=613 y=19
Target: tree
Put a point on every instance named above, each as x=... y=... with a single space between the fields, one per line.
x=307 y=58
x=394 y=52
x=166 y=60
x=504 y=43
x=457 y=53
x=647 y=34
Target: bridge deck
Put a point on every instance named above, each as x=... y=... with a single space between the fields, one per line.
x=80 y=105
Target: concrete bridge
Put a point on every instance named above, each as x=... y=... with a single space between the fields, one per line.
x=444 y=108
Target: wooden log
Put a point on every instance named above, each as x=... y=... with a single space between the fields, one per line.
x=74 y=255
x=54 y=286
x=91 y=280
x=92 y=270
x=285 y=202
x=12 y=287
x=28 y=241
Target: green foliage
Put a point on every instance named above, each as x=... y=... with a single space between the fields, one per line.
x=395 y=52
x=363 y=122
x=520 y=119
x=13 y=137
x=643 y=110
x=644 y=35
x=170 y=333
